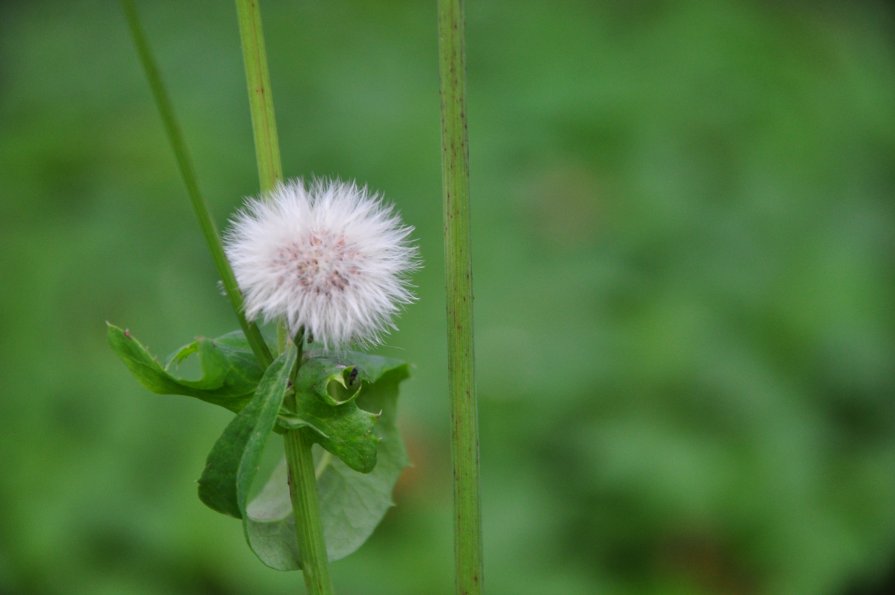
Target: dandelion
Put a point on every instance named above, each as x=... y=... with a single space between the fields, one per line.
x=331 y=258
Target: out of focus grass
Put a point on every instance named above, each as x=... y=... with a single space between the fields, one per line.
x=683 y=227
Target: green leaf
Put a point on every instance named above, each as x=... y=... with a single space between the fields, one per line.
x=229 y=370
x=330 y=379
x=326 y=390
x=233 y=461
x=346 y=432
x=352 y=503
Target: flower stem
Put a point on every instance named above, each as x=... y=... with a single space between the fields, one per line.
x=200 y=205
x=468 y=564
x=303 y=492
x=264 y=120
x=264 y=123
x=299 y=458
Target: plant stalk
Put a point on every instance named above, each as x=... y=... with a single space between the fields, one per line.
x=264 y=122
x=468 y=564
x=200 y=205
x=303 y=492
x=305 y=505
x=297 y=443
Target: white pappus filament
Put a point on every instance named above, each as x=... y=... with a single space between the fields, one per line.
x=331 y=258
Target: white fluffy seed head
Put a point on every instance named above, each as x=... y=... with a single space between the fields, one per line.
x=332 y=258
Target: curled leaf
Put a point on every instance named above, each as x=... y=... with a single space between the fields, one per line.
x=334 y=382
x=229 y=370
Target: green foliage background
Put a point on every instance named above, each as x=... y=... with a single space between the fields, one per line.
x=683 y=226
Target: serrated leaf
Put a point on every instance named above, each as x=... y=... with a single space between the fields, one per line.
x=326 y=389
x=233 y=461
x=229 y=370
x=352 y=504
x=341 y=427
x=346 y=432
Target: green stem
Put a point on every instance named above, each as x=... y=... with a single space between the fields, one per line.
x=299 y=458
x=200 y=205
x=468 y=564
x=264 y=120
x=264 y=123
x=303 y=492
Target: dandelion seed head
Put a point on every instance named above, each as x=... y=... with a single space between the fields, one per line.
x=332 y=258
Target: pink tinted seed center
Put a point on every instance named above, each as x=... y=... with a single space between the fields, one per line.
x=321 y=262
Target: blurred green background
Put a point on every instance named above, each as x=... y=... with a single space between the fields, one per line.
x=683 y=226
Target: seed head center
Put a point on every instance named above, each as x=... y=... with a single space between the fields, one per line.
x=322 y=263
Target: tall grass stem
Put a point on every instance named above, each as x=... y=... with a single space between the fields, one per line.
x=468 y=564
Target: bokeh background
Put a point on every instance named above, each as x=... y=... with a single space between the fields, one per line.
x=683 y=224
